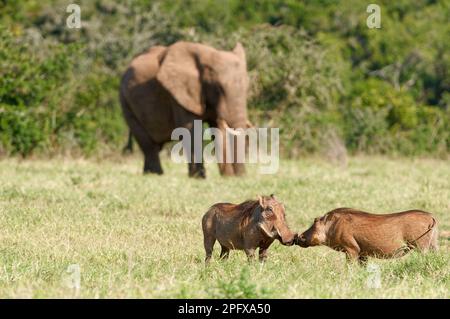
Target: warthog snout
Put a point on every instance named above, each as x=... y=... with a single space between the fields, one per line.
x=287 y=240
x=300 y=240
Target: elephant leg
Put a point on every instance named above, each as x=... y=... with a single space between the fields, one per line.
x=150 y=149
x=225 y=169
x=196 y=170
x=152 y=163
x=238 y=168
x=185 y=119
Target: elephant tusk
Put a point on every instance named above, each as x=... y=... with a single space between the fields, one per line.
x=249 y=124
x=231 y=130
x=224 y=124
x=234 y=132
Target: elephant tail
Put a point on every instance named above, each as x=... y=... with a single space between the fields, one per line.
x=128 y=148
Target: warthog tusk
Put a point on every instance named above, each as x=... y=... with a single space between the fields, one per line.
x=266 y=231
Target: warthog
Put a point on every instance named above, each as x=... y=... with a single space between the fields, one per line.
x=246 y=226
x=361 y=235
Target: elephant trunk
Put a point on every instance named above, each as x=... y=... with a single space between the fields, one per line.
x=233 y=112
x=233 y=149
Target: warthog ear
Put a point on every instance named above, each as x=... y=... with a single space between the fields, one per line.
x=273 y=196
x=261 y=201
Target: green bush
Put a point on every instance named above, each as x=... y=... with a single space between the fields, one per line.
x=383 y=119
x=46 y=106
x=31 y=90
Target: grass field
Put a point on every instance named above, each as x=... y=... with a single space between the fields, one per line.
x=140 y=236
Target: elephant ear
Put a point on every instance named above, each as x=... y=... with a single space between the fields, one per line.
x=179 y=74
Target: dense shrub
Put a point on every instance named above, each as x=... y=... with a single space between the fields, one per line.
x=316 y=71
x=31 y=90
x=295 y=86
x=46 y=105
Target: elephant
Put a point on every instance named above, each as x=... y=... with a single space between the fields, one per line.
x=167 y=87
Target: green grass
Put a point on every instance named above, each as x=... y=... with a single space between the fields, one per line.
x=140 y=236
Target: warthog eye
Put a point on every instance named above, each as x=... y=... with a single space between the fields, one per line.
x=269 y=213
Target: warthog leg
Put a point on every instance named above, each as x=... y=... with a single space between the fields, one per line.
x=225 y=252
x=262 y=254
x=352 y=250
x=363 y=260
x=250 y=254
x=351 y=255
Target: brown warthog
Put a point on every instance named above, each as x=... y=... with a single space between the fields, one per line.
x=361 y=235
x=246 y=226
